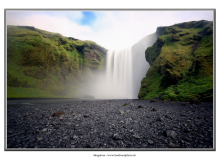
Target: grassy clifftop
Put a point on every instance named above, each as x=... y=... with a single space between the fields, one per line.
x=181 y=63
x=45 y=64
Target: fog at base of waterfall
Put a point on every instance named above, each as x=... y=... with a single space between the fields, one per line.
x=116 y=81
x=123 y=72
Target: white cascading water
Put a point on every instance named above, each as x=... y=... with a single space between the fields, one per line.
x=124 y=71
x=119 y=73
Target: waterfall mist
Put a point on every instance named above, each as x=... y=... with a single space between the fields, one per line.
x=139 y=63
x=123 y=72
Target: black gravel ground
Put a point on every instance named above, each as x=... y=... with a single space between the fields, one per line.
x=137 y=124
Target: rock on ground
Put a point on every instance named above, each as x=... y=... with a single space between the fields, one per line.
x=108 y=124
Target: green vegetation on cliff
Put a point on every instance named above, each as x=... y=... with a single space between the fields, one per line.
x=181 y=63
x=48 y=65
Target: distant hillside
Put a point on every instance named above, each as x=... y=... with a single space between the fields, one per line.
x=181 y=63
x=49 y=65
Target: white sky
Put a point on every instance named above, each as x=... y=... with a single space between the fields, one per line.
x=110 y=29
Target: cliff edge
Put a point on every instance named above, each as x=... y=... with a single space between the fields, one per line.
x=43 y=64
x=181 y=63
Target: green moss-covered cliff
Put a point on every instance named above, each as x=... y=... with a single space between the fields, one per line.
x=48 y=65
x=181 y=63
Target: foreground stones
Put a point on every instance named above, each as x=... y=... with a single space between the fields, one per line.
x=116 y=137
x=169 y=133
x=58 y=114
x=110 y=124
x=150 y=141
x=140 y=106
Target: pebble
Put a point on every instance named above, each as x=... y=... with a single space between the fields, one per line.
x=160 y=119
x=66 y=137
x=140 y=106
x=169 y=133
x=187 y=131
x=136 y=128
x=187 y=139
x=136 y=136
x=79 y=146
x=121 y=112
x=165 y=141
x=90 y=145
x=75 y=137
x=61 y=118
x=116 y=137
x=57 y=114
x=173 y=145
x=68 y=145
x=86 y=115
x=150 y=142
x=44 y=130
x=39 y=138
x=10 y=131
x=169 y=117
x=131 y=130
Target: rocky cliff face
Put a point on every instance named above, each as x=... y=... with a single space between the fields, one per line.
x=181 y=63
x=44 y=64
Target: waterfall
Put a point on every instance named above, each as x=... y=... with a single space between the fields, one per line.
x=119 y=73
x=139 y=63
x=124 y=71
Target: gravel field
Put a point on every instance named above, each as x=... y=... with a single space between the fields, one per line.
x=107 y=124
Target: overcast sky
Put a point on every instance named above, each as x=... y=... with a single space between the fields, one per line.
x=110 y=29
